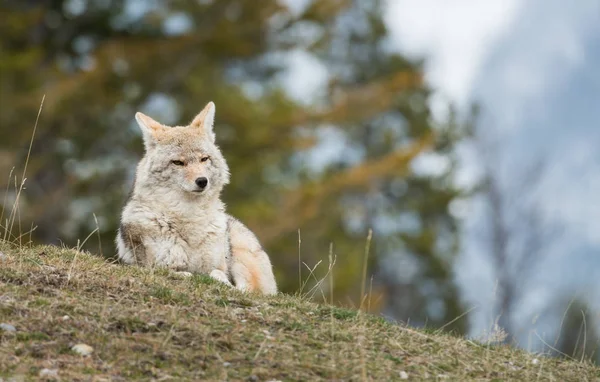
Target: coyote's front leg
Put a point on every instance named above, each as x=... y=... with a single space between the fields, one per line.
x=167 y=253
x=143 y=246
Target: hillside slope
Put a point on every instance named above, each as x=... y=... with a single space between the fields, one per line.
x=144 y=324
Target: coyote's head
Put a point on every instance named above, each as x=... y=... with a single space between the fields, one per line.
x=182 y=158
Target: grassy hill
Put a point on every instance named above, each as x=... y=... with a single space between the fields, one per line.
x=145 y=324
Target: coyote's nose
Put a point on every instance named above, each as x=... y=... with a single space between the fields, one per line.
x=201 y=182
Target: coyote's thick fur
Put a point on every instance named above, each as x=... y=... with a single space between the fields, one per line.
x=175 y=217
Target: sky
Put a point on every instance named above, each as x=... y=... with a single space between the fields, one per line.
x=532 y=67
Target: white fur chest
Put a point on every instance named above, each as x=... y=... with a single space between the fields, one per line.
x=204 y=239
x=190 y=236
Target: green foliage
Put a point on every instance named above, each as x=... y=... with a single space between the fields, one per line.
x=99 y=65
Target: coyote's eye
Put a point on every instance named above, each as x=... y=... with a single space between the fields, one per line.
x=177 y=162
x=204 y=159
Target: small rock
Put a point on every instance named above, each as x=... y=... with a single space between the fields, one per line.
x=49 y=373
x=7 y=300
x=83 y=349
x=226 y=364
x=253 y=378
x=403 y=375
x=65 y=318
x=535 y=361
x=7 y=327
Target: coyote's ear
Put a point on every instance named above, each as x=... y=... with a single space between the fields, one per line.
x=205 y=120
x=148 y=126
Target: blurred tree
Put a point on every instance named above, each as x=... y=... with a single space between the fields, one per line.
x=377 y=106
x=514 y=234
x=516 y=239
x=98 y=61
x=578 y=337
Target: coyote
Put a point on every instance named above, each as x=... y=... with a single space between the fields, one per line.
x=175 y=217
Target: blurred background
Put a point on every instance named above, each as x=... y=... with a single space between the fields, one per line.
x=463 y=133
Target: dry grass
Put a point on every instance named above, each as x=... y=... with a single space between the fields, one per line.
x=146 y=324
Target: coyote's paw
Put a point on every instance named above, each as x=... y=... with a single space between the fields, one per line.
x=220 y=276
x=242 y=286
x=184 y=274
